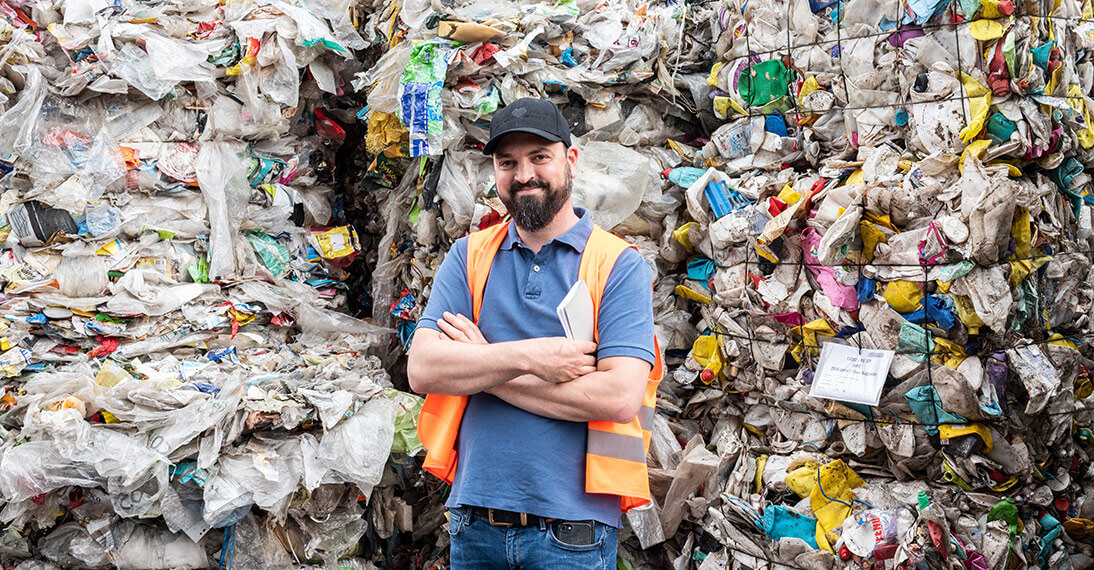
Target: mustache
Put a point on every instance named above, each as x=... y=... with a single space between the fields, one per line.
x=533 y=183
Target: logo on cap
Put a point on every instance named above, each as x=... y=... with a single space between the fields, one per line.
x=520 y=111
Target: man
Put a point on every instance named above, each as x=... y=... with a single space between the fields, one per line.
x=548 y=430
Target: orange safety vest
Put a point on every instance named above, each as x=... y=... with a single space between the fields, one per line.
x=615 y=455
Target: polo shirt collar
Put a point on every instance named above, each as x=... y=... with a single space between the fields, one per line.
x=576 y=237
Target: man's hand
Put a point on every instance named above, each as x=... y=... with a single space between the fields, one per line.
x=557 y=359
x=461 y=329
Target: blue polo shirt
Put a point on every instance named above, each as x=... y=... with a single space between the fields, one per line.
x=509 y=458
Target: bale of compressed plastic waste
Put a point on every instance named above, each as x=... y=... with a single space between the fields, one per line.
x=872 y=236
x=184 y=382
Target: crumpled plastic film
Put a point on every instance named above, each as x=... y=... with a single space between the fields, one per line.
x=185 y=379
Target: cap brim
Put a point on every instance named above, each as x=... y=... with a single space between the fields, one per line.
x=493 y=142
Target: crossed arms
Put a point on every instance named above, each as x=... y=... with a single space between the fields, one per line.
x=553 y=377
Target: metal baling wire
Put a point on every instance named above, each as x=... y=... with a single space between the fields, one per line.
x=926 y=332
x=891 y=105
x=897 y=419
x=752 y=80
x=819 y=43
x=858 y=311
x=789 y=53
x=955 y=25
x=749 y=57
x=803 y=273
x=885 y=421
x=938 y=352
x=843 y=73
x=957 y=41
x=801 y=264
x=924 y=28
x=792 y=87
x=974 y=263
x=903 y=10
x=748 y=322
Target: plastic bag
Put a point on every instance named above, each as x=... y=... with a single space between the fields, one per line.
x=133 y=65
x=383 y=79
x=462 y=181
x=82 y=276
x=220 y=176
x=152 y=293
x=326 y=322
x=282 y=85
x=251 y=544
x=357 y=449
x=25 y=114
x=146 y=547
x=176 y=60
x=611 y=181
x=71 y=546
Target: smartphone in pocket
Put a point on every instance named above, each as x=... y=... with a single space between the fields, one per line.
x=576 y=533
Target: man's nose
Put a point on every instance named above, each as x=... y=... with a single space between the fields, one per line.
x=524 y=171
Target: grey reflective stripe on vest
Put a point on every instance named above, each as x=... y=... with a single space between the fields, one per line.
x=645 y=418
x=626 y=447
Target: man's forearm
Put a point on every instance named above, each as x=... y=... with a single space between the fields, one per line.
x=460 y=361
x=589 y=398
x=441 y=366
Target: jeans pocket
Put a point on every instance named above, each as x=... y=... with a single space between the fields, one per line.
x=599 y=535
x=457 y=519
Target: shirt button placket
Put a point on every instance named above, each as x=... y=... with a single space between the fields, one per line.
x=535 y=280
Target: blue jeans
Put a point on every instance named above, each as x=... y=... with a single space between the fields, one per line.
x=476 y=544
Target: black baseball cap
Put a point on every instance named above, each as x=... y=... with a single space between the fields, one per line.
x=536 y=116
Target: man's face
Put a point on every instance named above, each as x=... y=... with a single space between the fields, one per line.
x=534 y=178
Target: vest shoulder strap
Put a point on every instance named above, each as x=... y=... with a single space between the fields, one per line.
x=601 y=252
x=481 y=248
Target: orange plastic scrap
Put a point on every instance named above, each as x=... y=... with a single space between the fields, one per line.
x=7 y=402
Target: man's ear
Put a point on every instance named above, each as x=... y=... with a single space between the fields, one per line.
x=571 y=157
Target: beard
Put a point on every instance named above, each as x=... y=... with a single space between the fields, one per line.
x=533 y=212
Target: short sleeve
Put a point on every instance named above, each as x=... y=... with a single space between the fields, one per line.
x=625 y=321
x=450 y=289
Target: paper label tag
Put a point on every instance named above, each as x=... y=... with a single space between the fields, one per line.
x=848 y=374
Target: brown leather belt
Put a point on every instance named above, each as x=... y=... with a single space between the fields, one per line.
x=498 y=517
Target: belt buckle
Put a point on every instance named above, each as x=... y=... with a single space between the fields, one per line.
x=490 y=517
